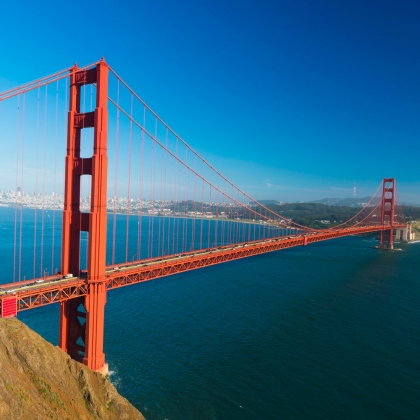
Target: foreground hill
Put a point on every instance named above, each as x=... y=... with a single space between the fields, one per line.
x=40 y=381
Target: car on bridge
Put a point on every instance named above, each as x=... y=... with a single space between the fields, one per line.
x=10 y=291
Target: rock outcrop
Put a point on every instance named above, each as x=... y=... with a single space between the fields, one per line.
x=40 y=381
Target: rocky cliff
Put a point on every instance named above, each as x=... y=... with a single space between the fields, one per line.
x=40 y=381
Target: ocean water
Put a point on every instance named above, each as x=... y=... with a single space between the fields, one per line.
x=327 y=331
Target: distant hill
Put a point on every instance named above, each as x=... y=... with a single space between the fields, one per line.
x=353 y=202
x=318 y=215
x=315 y=215
x=349 y=202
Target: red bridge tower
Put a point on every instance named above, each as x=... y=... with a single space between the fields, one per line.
x=82 y=319
x=387 y=213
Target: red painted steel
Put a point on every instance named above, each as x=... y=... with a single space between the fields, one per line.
x=43 y=81
x=387 y=212
x=200 y=259
x=73 y=327
x=151 y=269
x=82 y=301
x=9 y=307
x=72 y=333
x=96 y=299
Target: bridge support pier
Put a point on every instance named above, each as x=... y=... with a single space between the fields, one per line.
x=387 y=214
x=82 y=318
x=402 y=235
x=384 y=241
x=95 y=317
x=82 y=328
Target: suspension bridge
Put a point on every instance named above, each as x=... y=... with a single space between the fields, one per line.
x=138 y=203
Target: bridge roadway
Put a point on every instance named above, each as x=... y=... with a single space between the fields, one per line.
x=52 y=289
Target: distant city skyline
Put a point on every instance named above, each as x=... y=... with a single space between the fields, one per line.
x=56 y=200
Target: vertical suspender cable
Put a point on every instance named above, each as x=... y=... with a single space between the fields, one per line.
x=16 y=188
x=160 y=205
x=177 y=202
x=202 y=208
x=224 y=216
x=117 y=130
x=167 y=217
x=216 y=224
x=171 y=207
x=129 y=180
x=152 y=253
x=142 y=181
x=55 y=179
x=36 y=182
x=149 y=249
x=65 y=109
x=163 y=206
x=184 y=220
x=152 y=196
x=210 y=210
x=249 y=223
x=140 y=219
x=22 y=185
x=255 y=222
x=43 y=182
x=168 y=204
x=237 y=225
x=231 y=224
x=194 y=209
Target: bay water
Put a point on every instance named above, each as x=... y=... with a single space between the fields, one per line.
x=326 y=331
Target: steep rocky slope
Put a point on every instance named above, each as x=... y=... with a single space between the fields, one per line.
x=40 y=381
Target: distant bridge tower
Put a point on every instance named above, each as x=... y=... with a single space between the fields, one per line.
x=387 y=213
x=82 y=318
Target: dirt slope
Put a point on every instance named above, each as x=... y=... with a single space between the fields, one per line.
x=40 y=381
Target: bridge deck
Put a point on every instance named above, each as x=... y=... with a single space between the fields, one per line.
x=31 y=294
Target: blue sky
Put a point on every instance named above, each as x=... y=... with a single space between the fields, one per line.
x=291 y=100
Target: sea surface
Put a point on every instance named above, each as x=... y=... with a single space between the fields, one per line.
x=327 y=331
